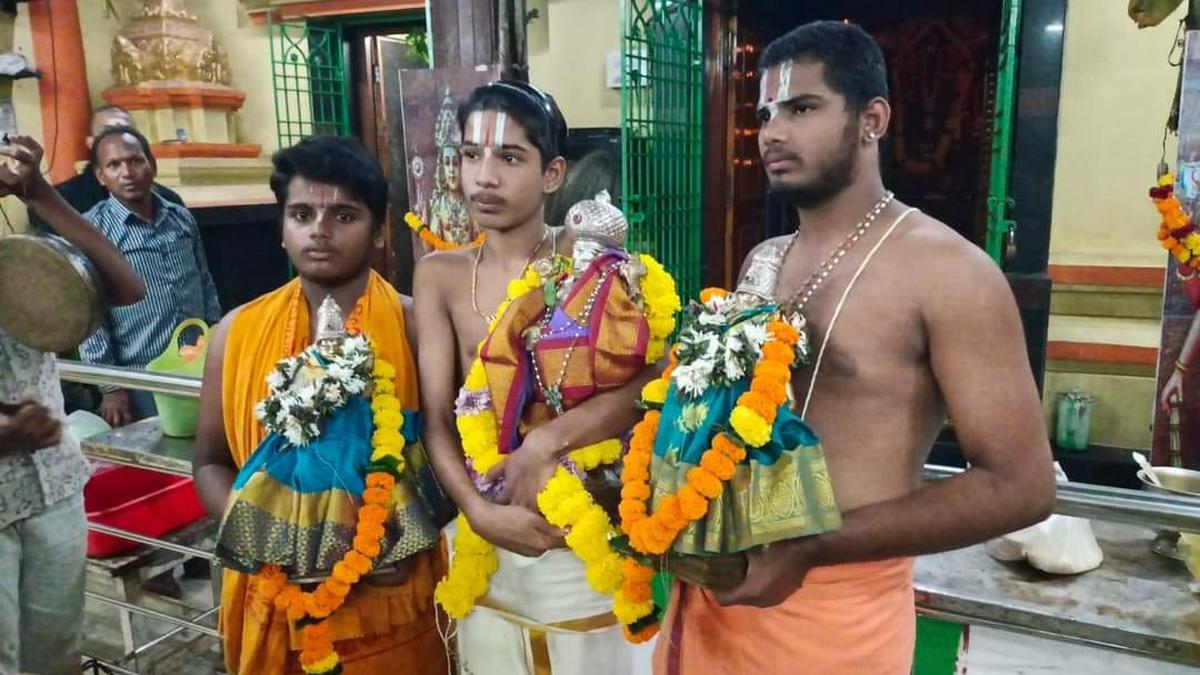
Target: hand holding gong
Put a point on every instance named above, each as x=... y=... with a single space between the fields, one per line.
x=23 y=165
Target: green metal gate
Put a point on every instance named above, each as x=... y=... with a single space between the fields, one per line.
x=662 y=146
x=1000 y=228
x=309 y=81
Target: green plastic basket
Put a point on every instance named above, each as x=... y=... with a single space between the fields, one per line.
x=178 y=414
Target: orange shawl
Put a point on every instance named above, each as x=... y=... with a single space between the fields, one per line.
x=380 y=629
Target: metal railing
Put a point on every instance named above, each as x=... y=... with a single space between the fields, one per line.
x=1120 y=505
x=129 y=378
x=1100 y=502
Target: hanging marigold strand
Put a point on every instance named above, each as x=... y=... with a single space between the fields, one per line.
x=1176 y=232
x=317 y=655
x=435 y=242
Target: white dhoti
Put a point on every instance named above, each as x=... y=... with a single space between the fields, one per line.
x=540 y=617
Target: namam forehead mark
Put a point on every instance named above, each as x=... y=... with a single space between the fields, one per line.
x=322 y=198
x=487 y=129
x=775 y=89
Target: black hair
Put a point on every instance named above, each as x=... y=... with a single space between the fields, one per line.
x=120 y=131
x=854 y=65
x=333 y=160
x=533 y=109
x=586 y=177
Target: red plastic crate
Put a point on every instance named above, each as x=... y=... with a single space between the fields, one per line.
x=146 y=502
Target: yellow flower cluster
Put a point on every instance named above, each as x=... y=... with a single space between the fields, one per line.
x=567 y=505
x=662 y=304
x=655 y=393
x=479 y=431
x=474 y=563
x=387 y=441
x=750 y=426
x=597 y=454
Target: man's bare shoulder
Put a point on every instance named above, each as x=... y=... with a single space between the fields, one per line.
x=219 y=332
x=939 y=262
x=445 y=266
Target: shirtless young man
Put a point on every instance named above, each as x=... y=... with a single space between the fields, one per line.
x=929 y=331
x=512 y=136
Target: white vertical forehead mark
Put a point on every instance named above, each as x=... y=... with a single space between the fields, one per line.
x=477 y=127
x=767 y=87
x=776 y=84
x=784 y=92
x=498 y=135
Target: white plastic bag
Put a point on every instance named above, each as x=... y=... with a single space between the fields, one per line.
x=1057 y=545
x=84 y=424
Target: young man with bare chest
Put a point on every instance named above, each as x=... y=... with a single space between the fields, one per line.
x=538 y=613
x=911 y=324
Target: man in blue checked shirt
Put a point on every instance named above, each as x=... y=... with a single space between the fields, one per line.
x=162 y=243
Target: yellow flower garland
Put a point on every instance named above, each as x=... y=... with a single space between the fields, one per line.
x=318 y=656
x=563 y=501
x=661 y=300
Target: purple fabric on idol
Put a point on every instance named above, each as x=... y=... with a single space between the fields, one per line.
x=563 y=326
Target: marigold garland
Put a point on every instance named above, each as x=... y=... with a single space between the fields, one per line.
x=1176 y=231
x=435 y=242
x=751 y=419
x=653 y=534
x=563 y=501
x=662 y=304
x=317 y=655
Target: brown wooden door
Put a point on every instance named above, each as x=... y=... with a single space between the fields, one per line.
x=377 y=57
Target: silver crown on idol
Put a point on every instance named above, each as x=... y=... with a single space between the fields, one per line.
x=330 y=324
x=598 y=220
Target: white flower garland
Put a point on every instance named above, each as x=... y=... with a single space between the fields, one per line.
x=296 y=412
x=715 y=349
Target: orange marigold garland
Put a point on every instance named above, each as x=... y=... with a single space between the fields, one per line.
x=435 y=242
x=1176 y=231
x=309 y=610
x=654 y=533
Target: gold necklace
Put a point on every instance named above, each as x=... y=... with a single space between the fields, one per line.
x=489 y=318
x=800 y=297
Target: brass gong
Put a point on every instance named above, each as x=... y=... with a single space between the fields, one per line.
x=50 y=294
